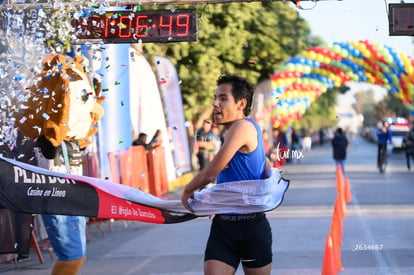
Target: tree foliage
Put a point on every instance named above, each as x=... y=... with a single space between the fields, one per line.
x=390 y=106
x=321 y=114
x=248 y=39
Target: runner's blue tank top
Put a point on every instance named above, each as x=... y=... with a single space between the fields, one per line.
x=246 y=166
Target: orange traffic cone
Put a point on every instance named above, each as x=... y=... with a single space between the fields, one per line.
x=337 y=254
x=340 y=206
x=329 y=263
x=339 y=180
x=348 y=196
x=336 y=230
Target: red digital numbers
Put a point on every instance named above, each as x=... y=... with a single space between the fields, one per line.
x=183 y=22
x=128 y=27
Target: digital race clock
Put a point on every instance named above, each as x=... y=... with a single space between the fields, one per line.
x=133 y=27
x=401 y=19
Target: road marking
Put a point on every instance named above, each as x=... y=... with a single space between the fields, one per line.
x=375 y=210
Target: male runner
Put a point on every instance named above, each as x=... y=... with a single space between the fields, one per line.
x=235 y=238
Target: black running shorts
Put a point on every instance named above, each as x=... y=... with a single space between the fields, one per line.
x=246 y=238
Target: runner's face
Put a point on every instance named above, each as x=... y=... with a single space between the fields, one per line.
x=225 y=109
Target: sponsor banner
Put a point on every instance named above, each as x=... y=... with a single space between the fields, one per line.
x=29 y=189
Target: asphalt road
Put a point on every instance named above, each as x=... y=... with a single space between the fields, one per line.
x=378 y=228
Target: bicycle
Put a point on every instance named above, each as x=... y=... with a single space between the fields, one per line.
x=383 y=158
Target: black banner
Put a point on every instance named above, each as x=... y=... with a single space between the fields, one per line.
x=29 y=189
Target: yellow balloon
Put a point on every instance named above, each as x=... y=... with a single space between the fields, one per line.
x=326 y=60
x=312 y=55
x=319 y=57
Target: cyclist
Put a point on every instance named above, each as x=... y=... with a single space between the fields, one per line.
x=408 y=145
x=384 y=136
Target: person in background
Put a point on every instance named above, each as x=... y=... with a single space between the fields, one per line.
x=234 y=238
x=408 y=145
x=203 y=144
x=280 y=147
x=384 y=137
x=156 y=140
x=321 y=136
x=307 y=140
x=340 y=145
x=141 y=141
x=294 y=140
x=216 y=140
x=267 y=147
x=294 y=144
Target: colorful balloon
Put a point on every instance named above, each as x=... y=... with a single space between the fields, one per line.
x=302 y=79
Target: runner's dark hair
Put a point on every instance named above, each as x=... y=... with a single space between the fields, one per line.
x=241 y=89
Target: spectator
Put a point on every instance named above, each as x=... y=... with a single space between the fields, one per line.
x=384 y=137
x=156 y=140
x=321 y=136
x=203 y=144
x=279 y=152
x=307 y=141
x=408 y=145
x=141 y=141
x=216 y=140
x=339 y=146
x=294 y=143
x=294 y=140
x=267 y=147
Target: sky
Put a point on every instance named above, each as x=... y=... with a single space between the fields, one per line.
x=354 y=20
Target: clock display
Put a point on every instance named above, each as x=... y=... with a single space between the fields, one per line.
x=132 y=27
x=401 y=19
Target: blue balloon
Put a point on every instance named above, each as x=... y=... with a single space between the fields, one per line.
x=396 y=58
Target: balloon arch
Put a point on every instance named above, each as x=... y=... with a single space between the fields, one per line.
x=303 y=78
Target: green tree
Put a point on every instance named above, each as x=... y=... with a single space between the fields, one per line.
x=390 y=106
x=321 y=114
x=365 y=105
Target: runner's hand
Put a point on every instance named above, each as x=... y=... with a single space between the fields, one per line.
x=185 y=197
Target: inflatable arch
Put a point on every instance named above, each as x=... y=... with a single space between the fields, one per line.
x=303 y=78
